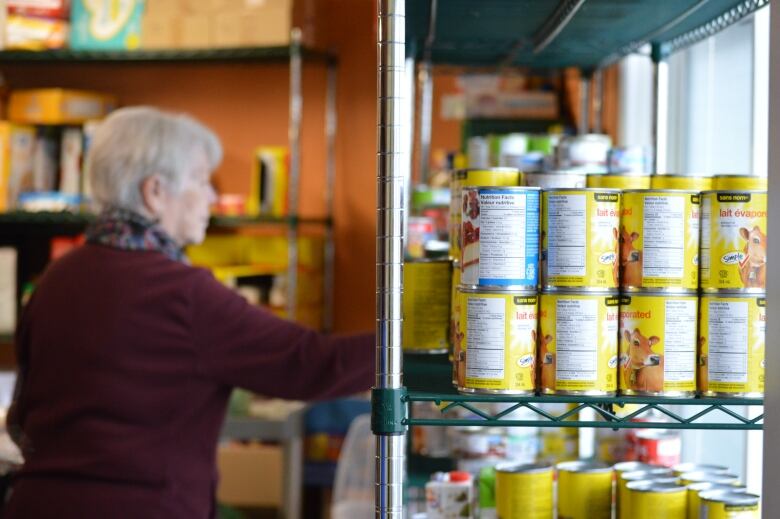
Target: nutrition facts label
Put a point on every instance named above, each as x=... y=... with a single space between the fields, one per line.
x=502 y=236
x=664 y=240
x=680 y=340
x=576 y=339
x=486 y=337
x=566 y=235
x=728 y=341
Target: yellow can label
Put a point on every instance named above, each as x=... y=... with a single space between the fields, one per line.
x=456 y=330
x=740 y=183
x=733 y=240
x=578 y=343
x=681 y=182
x=616 y=181
x=653 y=505
x=524 y=495
x=584 y=495
x=580 y=238
x=474 y=177
x=732 y=341
x=659 y=240
x=500 y=338
x=720 y=510
x=426 y=305
x=658 y=343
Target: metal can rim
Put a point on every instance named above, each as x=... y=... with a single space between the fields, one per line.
x=632 y=475
x=677 y=175
x=736 y=292
x=584 y=467
x=730 y=498
x=656 y=487
x=587 y=189
x=577 y=291
x=428 y=260
x=706 y=486
x=512 y=189
x=634 y=174
x=662 y=190
x=747 y=191
x=684 y=468
x=660 y=290
x=640 y=464
x=523 y=468
x=658 y=293
x=490 y=289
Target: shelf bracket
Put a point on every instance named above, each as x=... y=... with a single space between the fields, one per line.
x=388 y=411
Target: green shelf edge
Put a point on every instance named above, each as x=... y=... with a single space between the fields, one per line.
x=256 y=54
x=428 y=379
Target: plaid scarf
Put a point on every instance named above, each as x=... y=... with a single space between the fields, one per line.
x=128 y=230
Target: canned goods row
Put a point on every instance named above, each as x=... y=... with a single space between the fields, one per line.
x=603 y=239
x=621 y=180
x=652 y=344
x=585 y=491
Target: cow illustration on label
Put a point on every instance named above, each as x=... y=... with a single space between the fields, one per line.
x=644 y=368
x=546 y=360
x=702 y=364
x=616 y=263
x=752 y=268
x=630 y=259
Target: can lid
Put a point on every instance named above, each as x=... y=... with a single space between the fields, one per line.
x=712 y=477
x=639 y=475
x=583 y=466
x=705 y=486
x=633 y=466
x=457 y=476
x=520 y=468
x=663 y=487
x=682 y=468
x=730 y=498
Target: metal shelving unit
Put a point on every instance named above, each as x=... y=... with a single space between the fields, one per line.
x=498 y=34
x=19 y=224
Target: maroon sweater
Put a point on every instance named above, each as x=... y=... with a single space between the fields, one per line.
x=130 y=359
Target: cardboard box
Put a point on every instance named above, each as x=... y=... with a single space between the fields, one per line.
x=57 y=106
x=106 y=24
x=164 y=8
x=160 y=32
x=195 y=32
x=269 y=181
x=42 y=8
x=250 y=475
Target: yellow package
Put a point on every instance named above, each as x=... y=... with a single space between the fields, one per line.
x=58 y=106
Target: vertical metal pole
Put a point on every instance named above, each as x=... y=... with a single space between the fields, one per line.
x=598 y=101
x=294 y=138
x=426 y=119
x=771 y=498
x=584 y=126
x=391 y=165
x=660 y=109
x=330 y=178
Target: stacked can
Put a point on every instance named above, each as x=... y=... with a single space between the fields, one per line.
x=732 y=320
x=467 y=178
x=659 y=280
x=578 y=323
x=498 y=291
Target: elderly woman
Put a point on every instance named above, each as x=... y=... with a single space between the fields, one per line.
x=127 y=355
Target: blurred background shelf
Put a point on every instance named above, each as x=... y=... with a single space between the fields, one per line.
x=276 y=54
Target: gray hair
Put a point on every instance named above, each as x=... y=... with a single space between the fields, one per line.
x=134 y=143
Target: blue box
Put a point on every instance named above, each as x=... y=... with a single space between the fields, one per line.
x=106 y=24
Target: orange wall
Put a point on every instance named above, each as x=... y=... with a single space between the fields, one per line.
x=247 y=106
